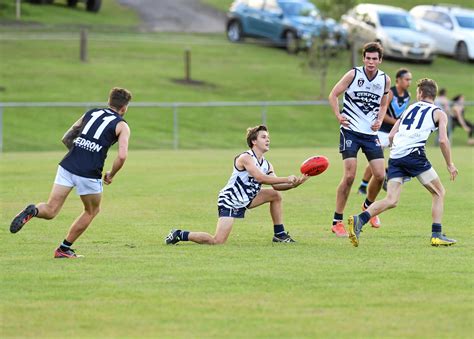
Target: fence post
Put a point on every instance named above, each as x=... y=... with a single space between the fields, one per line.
x=264 y=113
x=187 y=64
x=175 y=127
x=83 y=45
x=1 y=129
x=18 y=9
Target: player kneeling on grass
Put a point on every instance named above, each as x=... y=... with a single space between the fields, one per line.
x=407 y=159
x=88 y=141
x=243 y=191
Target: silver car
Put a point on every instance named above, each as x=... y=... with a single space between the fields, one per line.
x=451 y=27
x=393 y=27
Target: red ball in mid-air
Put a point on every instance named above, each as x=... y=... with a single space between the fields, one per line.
x=314 y=165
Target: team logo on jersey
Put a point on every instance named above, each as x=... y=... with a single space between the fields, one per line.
x=360 y=82
x=87 y=145
x=367 y=102
x=377 y=142
x=348 y=143
x=376 y=87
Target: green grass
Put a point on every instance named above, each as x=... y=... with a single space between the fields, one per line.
x=50 y=70
x=60 y=17
x=130 y=285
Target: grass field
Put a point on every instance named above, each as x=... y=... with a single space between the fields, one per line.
x=131 y=285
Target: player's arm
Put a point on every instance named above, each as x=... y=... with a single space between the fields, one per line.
x=387 y=118
x=457 y=111
x=338 y=89
x=123 y=133
x=284 y=187
x=393 y=131
x=245 y=161
x=72 y=133
x=383 y=106
x=442 y=119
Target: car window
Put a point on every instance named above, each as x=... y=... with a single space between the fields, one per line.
x=465 y=21
x=395 y=20
x=272 y=6
x=291 y=8
x=438 y=18
x=257 y=4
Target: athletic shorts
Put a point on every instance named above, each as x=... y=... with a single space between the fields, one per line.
x=350 y=142
x=84 y=186
x=238 y=213
x=409 y=166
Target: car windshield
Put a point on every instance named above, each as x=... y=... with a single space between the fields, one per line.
x=395 y=20
x=299 y=9
x=465 y=21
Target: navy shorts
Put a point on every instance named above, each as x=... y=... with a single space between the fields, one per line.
x=231 y=212
x=410 y=166
x=350 y=142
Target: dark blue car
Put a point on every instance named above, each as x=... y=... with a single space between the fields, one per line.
x=288 y=23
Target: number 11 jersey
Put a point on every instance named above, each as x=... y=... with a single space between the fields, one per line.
x=87 y=156
x=416 y=125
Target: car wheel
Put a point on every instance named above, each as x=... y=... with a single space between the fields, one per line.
x=292 y=43
x=72 y=3
x=461 y=53
x=93 y=5
x=234 y=31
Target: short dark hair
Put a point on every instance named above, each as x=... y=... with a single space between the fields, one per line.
x=401 y=73
x=371 y=47
x=428 y=88
x=252 y=133
x=119 y=97
x=442 y=91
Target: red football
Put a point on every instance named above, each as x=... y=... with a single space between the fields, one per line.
x=314 y=165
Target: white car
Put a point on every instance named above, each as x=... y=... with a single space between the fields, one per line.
x=393 y=27
x=451 y=27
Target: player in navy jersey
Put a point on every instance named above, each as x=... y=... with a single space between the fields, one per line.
x=365 y=102
x=398 y=99
x=243 y=191
x=408 y=160
x=88 y=141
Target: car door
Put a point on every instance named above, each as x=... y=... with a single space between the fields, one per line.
x=253 y=15
x=440 y=27
x=272 y=16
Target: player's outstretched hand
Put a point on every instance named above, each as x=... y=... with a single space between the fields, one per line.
x=292 y=179
x=453 y=171
x=107 y=178
x=300 y=180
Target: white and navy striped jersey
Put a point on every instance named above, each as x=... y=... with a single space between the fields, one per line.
x=242 y=188
x=362 y=99
x=416 y=125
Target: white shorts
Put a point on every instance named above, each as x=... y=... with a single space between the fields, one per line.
x=383 y=138
x=84 y=186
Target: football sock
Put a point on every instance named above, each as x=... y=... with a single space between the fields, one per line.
x=183 y=235
x=367 y=203
x=337 y=218
x=65 y=246
x=436 y=228
x=364 y=183
x=364 y=217
x=278 y=229
x=36 y=211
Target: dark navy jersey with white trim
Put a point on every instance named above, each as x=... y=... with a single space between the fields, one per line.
x=396 y=107
x=416 y=125
x=361 y=104
x=242 y=188
x=87 y=156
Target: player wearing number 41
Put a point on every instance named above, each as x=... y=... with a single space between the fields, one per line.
x=407 y=159
x=243 y=191
x=88 y=141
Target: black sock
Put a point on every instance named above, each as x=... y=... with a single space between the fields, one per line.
x=337 y=218
x=364 y=183
x=367 y=203
x=65 y=246
x=36 y=211
x=436 y=228
x=364 y=217
x=278 y=229
x=184 y=235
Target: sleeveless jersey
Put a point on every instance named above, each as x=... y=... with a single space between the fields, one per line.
x=362 y=99
x=416 y=125
x=396 y=107
x=87 y=156
x=242 y=188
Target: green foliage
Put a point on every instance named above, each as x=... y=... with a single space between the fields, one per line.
x=130 y=285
